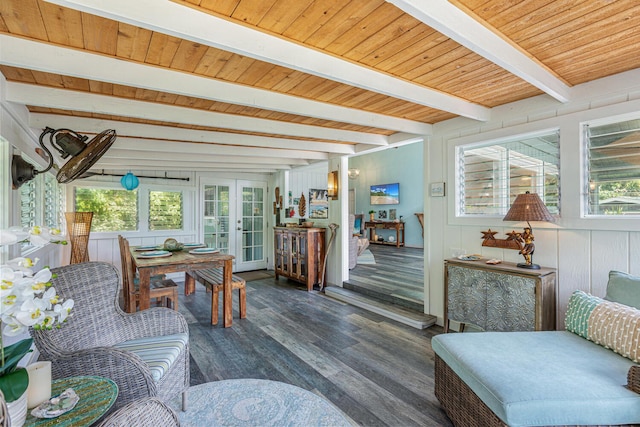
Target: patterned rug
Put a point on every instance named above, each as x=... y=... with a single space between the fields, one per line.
x=255 y=275
x=366 y=258
x=252 y=402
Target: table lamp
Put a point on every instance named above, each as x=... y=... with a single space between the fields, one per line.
x=528 y=207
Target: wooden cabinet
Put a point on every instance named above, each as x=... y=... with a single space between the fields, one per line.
x=299 y=254
x=387 y=225
x=500 y=297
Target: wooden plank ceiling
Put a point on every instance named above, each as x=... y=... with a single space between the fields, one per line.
x=262 y=85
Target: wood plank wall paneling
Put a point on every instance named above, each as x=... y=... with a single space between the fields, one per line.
x=574 y=275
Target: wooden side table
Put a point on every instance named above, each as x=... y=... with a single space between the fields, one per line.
x=387 y=225
x=97 y=395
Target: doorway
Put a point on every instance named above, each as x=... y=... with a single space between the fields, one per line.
x=234 y=221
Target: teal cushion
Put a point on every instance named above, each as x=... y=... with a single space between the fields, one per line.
x=158 y=352
x=623 y=288
x=580 y=307
x=542 y=378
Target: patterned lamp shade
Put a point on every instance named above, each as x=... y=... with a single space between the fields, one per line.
x=528 y=207
x=130 y=181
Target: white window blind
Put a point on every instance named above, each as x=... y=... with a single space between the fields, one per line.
x=613 y=168
x=491 y=175
x=165 y=210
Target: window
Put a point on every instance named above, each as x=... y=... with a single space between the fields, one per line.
x=613 y=168
x=165 y=210
x=491 y=175
x=113 y=210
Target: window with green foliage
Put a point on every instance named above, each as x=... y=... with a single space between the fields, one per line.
x=492 y=174
x=113 y=210
x=165 y=210
x=613 y=168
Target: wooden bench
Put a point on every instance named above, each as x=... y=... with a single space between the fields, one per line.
x=212 y=279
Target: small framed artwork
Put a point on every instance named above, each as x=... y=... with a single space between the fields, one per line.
x=382 y=214
x=437 y=189
x=392 y=214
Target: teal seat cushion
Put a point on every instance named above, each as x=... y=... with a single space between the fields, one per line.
x=158 y=352
x=542 y=378
x=624 y=289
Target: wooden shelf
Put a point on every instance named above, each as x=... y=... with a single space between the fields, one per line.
x=386 y=225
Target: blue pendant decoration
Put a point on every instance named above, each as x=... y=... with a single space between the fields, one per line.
x=130 y=181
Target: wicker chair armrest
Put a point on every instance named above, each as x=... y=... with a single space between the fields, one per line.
x=633 y=379
x=148 y=412
x=154 y=322
x=126 y=369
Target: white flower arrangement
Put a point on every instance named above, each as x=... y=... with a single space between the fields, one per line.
x=27 y=299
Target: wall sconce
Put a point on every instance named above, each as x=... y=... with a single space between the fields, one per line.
x=332 y=185
x=353 y=173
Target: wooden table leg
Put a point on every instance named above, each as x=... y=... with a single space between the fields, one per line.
x=189 y=284
x=145 y=281
x=227 y=304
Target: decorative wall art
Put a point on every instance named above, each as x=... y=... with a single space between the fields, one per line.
x=382 y=214
x=392 y=214
x=437 y=189
x=318 y=204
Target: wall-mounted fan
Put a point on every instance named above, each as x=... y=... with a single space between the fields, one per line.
x=67 y=143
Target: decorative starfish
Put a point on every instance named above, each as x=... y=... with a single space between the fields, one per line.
x=489 y=235
x=514 y=235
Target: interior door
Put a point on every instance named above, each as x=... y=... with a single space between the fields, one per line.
x=251 y=225
x=233 y=220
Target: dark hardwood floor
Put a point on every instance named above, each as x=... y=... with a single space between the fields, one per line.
x=377 y=371
x=396 y=277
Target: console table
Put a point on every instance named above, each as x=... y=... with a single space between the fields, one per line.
x=387 y=225
x=501 y=297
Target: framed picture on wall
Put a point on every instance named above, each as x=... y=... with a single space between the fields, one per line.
x=392 y=214
x=382 y=214
x=437 y=189
x=318 y=203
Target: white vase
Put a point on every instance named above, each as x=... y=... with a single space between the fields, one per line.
x=18 y=410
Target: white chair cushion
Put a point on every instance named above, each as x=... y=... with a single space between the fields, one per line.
x=157 y=352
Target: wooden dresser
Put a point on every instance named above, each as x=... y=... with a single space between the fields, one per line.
x=500 y=297
x=299 y=254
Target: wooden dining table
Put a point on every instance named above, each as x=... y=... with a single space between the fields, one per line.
x=183 y=261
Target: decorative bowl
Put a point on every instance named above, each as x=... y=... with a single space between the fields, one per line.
x=307 y=224
x=172 y=245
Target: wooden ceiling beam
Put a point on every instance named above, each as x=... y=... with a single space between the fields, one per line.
x=88 y=125
x=486 y=41
x=181 y=165
x=48 y=58
x=49 y=97
x=190 y=24
x=212 y=156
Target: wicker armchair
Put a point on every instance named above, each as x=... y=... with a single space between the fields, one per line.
x=85 y=344
x=147 y=412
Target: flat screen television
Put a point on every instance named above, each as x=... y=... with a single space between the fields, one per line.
x=385 y=194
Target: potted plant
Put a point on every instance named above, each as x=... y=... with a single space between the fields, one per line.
x=372 y=214
x=28 y=300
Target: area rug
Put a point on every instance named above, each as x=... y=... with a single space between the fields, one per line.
x=366 y=257
x=253 y=402
x=255 y=275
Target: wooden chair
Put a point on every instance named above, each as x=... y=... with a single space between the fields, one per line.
x=212 y=279
x=164 y=289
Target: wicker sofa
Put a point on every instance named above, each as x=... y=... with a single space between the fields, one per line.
x=585 y=375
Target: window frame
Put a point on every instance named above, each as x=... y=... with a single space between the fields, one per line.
x=505 y=136
x=585 y=168
x=188 y=197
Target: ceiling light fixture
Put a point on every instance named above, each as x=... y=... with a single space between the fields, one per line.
x=67 y=143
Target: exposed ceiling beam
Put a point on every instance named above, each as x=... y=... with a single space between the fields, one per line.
x=183 y=165
x=49 y=97
x=154 y=146
x=211 y=158
x=48 y=58
x=187 y=23
x=449 y=20
x=83 y=125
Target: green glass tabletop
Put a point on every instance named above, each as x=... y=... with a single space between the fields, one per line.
x=96 y=395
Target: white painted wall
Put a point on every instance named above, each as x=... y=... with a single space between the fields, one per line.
x=583 y=250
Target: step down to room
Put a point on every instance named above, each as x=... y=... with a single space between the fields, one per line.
x=390 y=311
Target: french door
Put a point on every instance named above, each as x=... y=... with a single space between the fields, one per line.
x=234 y=221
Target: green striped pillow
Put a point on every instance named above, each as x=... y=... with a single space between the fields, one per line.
x=581 y=305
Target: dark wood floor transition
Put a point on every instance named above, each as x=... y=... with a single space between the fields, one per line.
x=377 y=371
